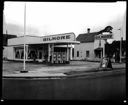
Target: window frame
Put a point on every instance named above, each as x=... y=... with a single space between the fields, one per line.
x=78 y=54
x=87 y=53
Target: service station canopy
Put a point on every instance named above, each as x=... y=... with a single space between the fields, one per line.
x=66 y=38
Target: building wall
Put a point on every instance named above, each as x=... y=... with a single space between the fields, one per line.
x=96 y=43
x=89 y=46
x=5 y=52
x=7 y=37
x=82 y=48
x=10 y=53
x=21 y=40
x=4 y=24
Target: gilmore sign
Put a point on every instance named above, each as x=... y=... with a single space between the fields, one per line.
x=104 y=36
x=59 y=37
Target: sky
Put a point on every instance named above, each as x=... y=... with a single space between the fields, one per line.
x=48 y=18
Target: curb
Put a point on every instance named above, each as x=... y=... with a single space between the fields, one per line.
x=86 y=74
x=99 y=73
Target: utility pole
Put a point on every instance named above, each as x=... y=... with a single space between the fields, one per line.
x=120 y=45
x=100 y=47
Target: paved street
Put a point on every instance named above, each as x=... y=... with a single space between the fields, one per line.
x=110 y=87
x=103 y=85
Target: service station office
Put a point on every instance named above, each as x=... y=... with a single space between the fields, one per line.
x=52 y=48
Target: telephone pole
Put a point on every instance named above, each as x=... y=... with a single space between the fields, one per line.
x=120 y=45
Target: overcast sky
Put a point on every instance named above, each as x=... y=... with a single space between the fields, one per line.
x=47 y=18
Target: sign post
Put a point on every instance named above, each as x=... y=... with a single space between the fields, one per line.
x=105 y=62
x=104 y=37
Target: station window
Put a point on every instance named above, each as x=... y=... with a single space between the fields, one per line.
x=22 y=54
x=77 y=53
x=40 y=55
x=87 y=53
x=32 y=54
x=19 y=53
x=72 y=52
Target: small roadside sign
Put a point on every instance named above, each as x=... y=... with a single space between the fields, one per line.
x=105 y=63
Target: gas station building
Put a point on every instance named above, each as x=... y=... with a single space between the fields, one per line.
x=52 y=48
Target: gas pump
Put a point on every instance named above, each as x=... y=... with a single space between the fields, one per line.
x=54 y=57
x=59 y=57
x=64 y=57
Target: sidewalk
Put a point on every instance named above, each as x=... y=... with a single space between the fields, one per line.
x=33 y=74
x=11 y=69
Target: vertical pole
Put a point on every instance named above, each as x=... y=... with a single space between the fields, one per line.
x=26 y=52
x=24 y=32
x=22 y=71
x=104 y=48
x=71 y=52
x=99 y=47
x=120 y=49
x=52 y=52
x=67 y=52
x=49 y=50
x=120 y=45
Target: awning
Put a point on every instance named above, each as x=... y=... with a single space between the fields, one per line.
x=70 y=42
x=57 y=42
x=98 y=49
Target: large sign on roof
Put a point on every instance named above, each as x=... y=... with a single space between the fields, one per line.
x=59 y=37
x=104 y=36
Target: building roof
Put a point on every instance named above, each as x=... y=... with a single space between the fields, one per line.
x=87 y=37
x=66 y=38
x=6 y=37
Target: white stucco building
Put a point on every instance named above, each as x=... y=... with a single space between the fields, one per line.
x=52 y=48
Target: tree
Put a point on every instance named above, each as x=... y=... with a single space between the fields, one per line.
x=106 y=29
